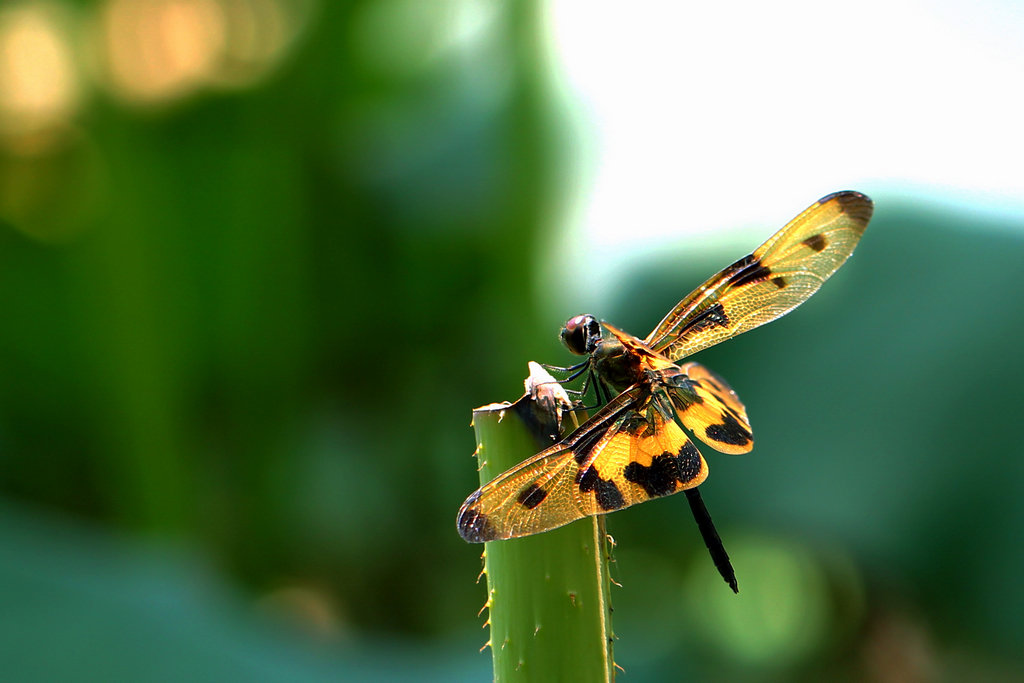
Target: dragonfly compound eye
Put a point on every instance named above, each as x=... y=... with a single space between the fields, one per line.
x=580 y=333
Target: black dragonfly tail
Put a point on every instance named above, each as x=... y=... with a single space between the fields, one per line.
x=711 y=538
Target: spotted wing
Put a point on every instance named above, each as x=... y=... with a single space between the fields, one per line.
x=780 y=275
x=629 y=452
x=708 y=407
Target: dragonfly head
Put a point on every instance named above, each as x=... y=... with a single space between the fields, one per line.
x=581 y=333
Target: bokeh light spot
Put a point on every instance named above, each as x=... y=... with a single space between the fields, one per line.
x=159 y=49
x=783 y=614
x=40 y=87
x=163 y=50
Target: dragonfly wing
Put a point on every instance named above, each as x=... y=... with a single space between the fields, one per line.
x=779 y=276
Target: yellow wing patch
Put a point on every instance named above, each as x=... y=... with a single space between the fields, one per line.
x=780 y=275
x=708 y=407
x=629 y=452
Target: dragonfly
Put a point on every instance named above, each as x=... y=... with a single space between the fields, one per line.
x=635 y=447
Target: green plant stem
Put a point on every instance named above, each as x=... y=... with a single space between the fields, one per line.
x=548 y=595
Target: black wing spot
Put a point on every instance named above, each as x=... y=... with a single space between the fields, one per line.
x=656 y=479
x=605 y=491
x=474 y=527
x=532 y=496
x=779 y=281
x=851 y=203
x=688 y=463
x=710 y=317
x=608 y=495
x=856 y=206
x=750 y=273
x=816 y=242
x=660 y=477
x=730 y=432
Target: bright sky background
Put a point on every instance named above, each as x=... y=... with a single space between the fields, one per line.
x=711 y=124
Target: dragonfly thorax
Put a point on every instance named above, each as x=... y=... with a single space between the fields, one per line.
x=615 y=365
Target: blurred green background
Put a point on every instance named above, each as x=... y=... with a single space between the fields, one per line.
x=258 y=262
